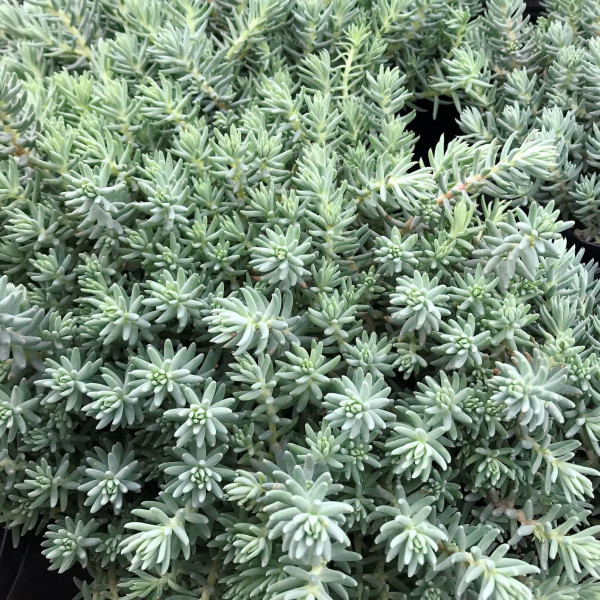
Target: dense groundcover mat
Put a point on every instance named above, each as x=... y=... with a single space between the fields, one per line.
x=250 y=347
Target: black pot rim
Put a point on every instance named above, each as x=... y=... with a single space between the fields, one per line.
x=571 y=235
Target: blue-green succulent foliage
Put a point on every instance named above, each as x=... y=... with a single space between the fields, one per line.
x=251 y=347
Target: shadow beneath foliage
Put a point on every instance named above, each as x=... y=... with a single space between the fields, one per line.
x=24 y=572
x=429 y=129
x=533 y=9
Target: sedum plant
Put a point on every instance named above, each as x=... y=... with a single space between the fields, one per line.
x=544 y=76
x=251 y=345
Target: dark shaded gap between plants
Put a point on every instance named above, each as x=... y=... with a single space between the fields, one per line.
x=24 y=572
